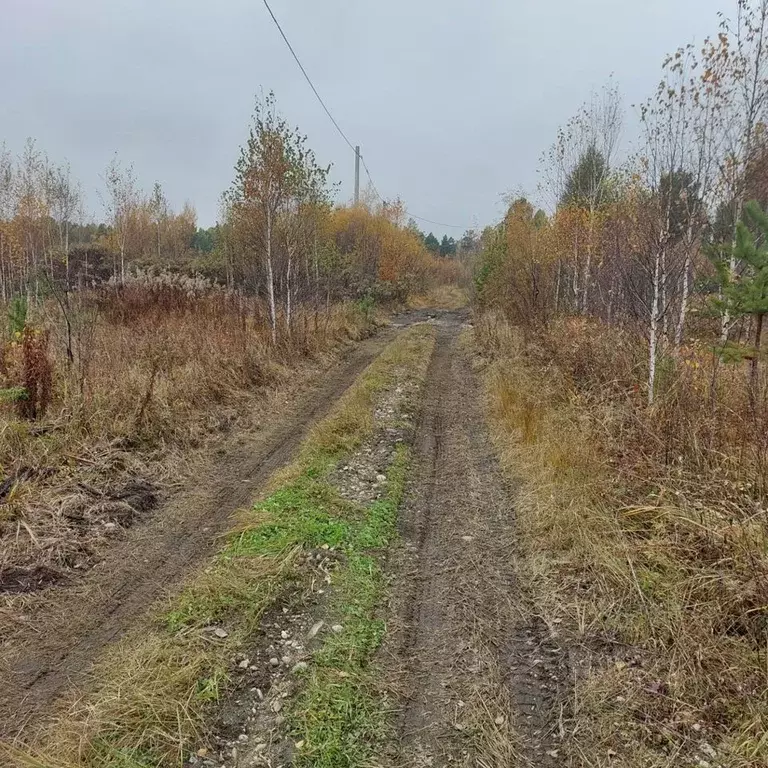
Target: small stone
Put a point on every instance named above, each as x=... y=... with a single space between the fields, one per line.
x=326 y=546
x=276 y=705
x=299 y=744
x=202 y=752
x=300 y=667
x=285 y=635
x=337 y=628
x=467 y=538
x=316 y=627
x=244 y=664
x=380 y=478
x=286 y=660
x=242 y=738
x=274 y=662
x=219 y=632
x=499 y=720
x=553 y=752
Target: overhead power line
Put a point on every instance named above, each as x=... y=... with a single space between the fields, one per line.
x=412 y=215
x=338 y=127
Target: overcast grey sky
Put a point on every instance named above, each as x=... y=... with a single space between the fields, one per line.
x=452 y=101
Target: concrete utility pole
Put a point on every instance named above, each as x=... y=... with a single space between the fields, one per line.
x=357 y=174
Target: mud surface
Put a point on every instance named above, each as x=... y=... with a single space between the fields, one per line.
x=476 y=680
x=42 y=658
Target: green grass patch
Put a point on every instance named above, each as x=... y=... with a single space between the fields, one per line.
x=340 y=716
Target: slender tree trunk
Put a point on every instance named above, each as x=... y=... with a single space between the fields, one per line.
x=575 y=276
x=663 y=310
x=686 y=287
x=288 y=292
x=66 y=249
x=2 y=264
x=271 y=279
x=587 y=266
x=654 y=327
x=122 y=257
x=754 y=363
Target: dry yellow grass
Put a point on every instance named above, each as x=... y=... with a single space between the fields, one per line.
x=449 y=296
x=661 y=593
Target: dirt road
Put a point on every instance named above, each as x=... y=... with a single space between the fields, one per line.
x=475 y=679
x=475 y=676
x=77 y=623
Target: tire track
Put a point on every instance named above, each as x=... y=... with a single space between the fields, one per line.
x=476 y=678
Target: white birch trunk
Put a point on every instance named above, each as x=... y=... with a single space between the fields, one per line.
x=663 y=309
x=288 y=292
x=271 y=280
x=653 y=339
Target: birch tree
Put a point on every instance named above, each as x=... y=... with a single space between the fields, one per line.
x=271 y=174
x=64 y=203
x=121 y=201
x=663 y=126
x=158 y=207
x=582 y=158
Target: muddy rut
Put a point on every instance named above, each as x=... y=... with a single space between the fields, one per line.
x=42 y=660
x=477 y=679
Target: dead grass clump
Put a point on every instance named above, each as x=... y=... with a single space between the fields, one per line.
x=653 y=555
x=449 y=296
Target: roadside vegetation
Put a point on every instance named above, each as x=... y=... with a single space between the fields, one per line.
x=626 y=389
x=156 y=691
x=128 y=345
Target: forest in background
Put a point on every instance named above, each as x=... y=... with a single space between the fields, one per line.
x=281 y=246
x=48 y=241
